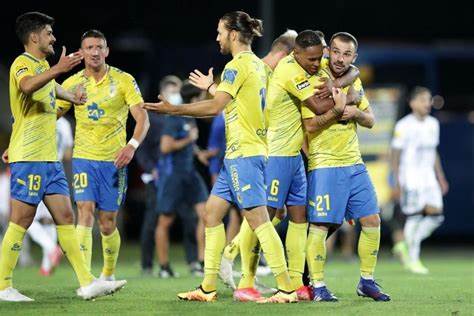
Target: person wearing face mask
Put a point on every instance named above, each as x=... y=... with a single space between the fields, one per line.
x=180 y=186
x=101 y=152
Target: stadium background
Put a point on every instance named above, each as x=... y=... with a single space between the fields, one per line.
x=402 y=44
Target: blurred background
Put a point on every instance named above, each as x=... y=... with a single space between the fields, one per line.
x=401 y=44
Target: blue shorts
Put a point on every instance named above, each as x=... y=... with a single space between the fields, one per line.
x=180 y=188
x=31 y=181
x=285 y=178
x=241 y=182
x=100 y=182
x=340 y=192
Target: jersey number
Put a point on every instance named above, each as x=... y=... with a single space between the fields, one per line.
x=263 y=93
x=274 y=187
x=34 y=182
x=320 y=199
x=80 y=180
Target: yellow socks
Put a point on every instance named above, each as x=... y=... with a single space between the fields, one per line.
x=249 y=254
x=276 y=221
x=11 y=247
x=273 y=250
x=295 y=252
x=84 y=234
x=69 y=242
x=316 y=253
x=369 y=242
x=215 y=242
x=110 y=250
x=232 y=250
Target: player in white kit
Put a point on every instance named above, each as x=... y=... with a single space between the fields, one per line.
x=418 y=174
x=43 y=230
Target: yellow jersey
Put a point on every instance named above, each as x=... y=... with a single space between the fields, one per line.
x=245 y=79
x=101 y=122
x=288 y=86
x=33 y=135
x=336 y=145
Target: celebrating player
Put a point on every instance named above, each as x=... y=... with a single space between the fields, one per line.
x=36 y=174
x=338 y=184
x=418 y=174
x=101 y=154
x=241 y=180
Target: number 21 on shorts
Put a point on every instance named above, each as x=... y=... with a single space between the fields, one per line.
x=323 y=203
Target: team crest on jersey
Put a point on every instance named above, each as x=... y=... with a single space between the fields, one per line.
x=94 y=112
x=229 y=75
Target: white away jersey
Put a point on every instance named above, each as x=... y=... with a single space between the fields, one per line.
x=417 y=139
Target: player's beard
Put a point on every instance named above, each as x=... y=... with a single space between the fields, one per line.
x=225 y=46
x=47 y=50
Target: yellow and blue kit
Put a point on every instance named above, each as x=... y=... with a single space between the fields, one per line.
x=338 y=183
x=35 y=170
x=241 y=179
x=100 y=135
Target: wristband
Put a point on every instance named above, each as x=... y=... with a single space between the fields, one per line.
x=134 y=143
x=210 y=86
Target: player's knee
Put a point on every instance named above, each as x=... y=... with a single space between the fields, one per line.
x=370 y=221
x=107 y=225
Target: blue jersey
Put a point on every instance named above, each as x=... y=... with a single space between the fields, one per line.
x=181 y=160
x=216 y=141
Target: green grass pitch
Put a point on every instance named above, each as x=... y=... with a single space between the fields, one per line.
x=448 y=290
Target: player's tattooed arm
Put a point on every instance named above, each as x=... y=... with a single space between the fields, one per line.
x=204 y=108
x=77 y=96
x=324 y=90
x=364 y=118
x=319 y=122
x=30 y=84
x=320 y=106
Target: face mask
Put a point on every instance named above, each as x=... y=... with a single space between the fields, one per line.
x=175 y=99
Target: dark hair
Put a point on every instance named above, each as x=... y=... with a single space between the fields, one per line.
x=308 y=38
x=345 y=37
x=31 y=22
x=93 y=33
x=417 y=91
x=241 y=22
x=188 y=92
x=285 y=42
x=170 y=79
x=320 y=34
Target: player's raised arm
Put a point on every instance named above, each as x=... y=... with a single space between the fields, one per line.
x=204 y=108
x=30 y=84
x=78 y=96
x=202 y=81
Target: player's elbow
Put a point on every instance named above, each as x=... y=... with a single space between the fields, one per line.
x=26 y=88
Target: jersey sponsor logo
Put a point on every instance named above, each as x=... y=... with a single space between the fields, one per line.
x=20 y=71
x=229 y=75
x=302 y=85
x=94 y=112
